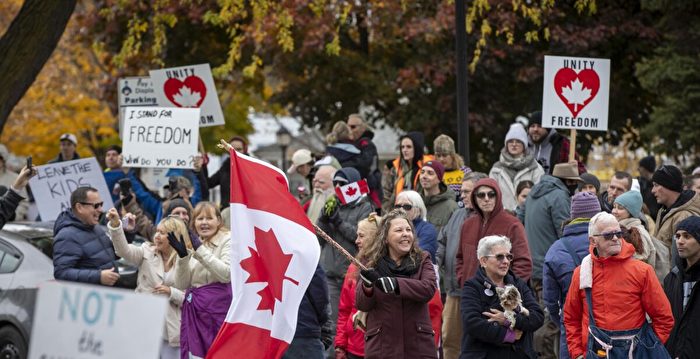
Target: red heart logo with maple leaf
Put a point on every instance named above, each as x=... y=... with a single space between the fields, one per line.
x=188 y=93
x=576 y=90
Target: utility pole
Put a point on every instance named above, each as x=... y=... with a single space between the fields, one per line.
x=462 y=90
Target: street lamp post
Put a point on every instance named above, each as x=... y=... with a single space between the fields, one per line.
x=462 y=90
x=284 y=138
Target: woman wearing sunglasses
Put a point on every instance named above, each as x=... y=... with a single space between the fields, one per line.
x=395 y=292
x=412 y=203
x=489 y=219
x=487 y=332
x=156 y=263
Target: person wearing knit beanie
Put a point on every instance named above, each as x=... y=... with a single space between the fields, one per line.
x=584 y=205
x=670 y=177
x=632 y=202
x=437 y=167
x=648 y=163
x=591 y=183
x=516 y=132
x=174 y=206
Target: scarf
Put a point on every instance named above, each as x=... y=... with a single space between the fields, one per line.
x=388 y=268
x=514 y=165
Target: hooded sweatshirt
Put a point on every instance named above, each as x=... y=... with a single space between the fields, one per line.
x=499 y=222
x=623 y=292
x=546 y=209
x=405 y=175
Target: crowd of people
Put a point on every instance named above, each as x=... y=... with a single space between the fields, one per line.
x=533 y=259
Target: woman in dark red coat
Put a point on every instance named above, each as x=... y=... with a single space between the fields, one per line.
x=395 y=292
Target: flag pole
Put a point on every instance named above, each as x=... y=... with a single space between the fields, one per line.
x=227 y=146
x=340 y=248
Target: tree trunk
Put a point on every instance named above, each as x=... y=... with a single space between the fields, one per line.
x=27 y=45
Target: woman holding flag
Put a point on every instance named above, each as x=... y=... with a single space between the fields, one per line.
x=203 y=269
x=395 y=292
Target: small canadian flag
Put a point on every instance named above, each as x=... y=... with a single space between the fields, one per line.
x=352 y=191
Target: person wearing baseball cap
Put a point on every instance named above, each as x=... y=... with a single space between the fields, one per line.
x=68 y=144
x=439 y=200
x=675 y=204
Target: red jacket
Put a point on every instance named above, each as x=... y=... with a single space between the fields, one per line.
x=624 y=290
x=499 y=223
x=353 y=341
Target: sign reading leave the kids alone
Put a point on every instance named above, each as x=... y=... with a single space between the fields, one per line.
x=161 y=137
x=576 y=93
x=189 y=86
x=55 y=182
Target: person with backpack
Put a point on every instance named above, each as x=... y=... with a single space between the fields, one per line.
x=563 y=257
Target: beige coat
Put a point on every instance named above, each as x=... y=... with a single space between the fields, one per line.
x=208 y=264
x=151 y=274
x=655 y=252
x=667 y=228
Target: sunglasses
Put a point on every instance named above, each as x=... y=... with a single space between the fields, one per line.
x=94 y=205
x=609 y=236
x=489 y=194
x=405 y=207
x=502 y=257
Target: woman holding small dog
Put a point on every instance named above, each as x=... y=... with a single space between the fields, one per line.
x=395 y=292
x=499 y=311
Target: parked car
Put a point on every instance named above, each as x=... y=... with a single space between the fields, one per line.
x=26 y=250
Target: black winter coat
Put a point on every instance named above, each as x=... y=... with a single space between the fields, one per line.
x=683 y=342
x=222 y=178
x=482 y=339
x=8 y=204
x=80 y=251
x=314 y=310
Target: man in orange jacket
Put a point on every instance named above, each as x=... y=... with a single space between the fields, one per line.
x=623 y=291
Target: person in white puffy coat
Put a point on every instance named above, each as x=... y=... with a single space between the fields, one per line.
x=516 y=164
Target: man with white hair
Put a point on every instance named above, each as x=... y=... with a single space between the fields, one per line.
x=323 y=188
x=622 y=292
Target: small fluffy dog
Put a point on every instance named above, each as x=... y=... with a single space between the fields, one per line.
x=512 y=303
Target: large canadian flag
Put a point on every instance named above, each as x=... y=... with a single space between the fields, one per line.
x=274 y=253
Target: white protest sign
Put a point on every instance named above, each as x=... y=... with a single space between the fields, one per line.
x=576 y=93
x=134 y=91
x=74 y=320
x=163 y=137
x=189 y=86
x=55 y=182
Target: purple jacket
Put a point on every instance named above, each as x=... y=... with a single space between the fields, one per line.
x=203 y=313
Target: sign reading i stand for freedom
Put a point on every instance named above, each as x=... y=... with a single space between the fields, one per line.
x=54 y=183
x=132 y=92
x=74 y=320
x=163 y=137
x=576 y=93
x=189 y=86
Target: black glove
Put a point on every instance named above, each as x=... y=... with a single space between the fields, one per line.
x=194 y=238
x=335 y=219
x=178 y=245
x=388 y=285
x=368 y=277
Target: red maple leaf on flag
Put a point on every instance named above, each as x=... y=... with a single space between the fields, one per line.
x=267 y=264
x=351 y=191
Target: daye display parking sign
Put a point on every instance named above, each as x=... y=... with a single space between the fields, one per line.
x=576 y=93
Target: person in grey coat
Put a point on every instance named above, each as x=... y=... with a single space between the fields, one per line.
x=339 y=221
x=546 y=209
x=448 y=243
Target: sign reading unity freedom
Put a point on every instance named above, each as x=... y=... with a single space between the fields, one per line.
x=576 y=93
x=55 y=182
x=132 y=92
x=189 y=86
x=161 y=137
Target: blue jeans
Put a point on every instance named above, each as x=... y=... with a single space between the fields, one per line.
x=310 y=348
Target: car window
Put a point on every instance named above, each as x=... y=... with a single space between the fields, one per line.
x=9 y=258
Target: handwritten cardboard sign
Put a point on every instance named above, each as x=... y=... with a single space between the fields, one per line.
x=55 y=182
x=162 y=137
x=137 y=91
x=189 y=87
x=74 y=320
x=576 y=93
